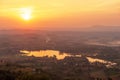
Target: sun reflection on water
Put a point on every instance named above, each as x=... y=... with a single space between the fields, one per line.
x=107 y=63
x=48 y=53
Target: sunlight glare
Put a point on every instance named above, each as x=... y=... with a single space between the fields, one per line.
x=26 y=13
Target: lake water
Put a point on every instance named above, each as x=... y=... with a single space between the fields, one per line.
x=59 y=56
x=107 y=63
x=48 y=53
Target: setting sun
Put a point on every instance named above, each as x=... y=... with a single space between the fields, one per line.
x=26 y=13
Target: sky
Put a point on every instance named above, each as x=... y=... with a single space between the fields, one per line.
x=58 y=14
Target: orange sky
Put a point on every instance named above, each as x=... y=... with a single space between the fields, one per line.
x=59 y=14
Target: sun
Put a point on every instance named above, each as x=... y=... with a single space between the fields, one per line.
x=26 y=13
